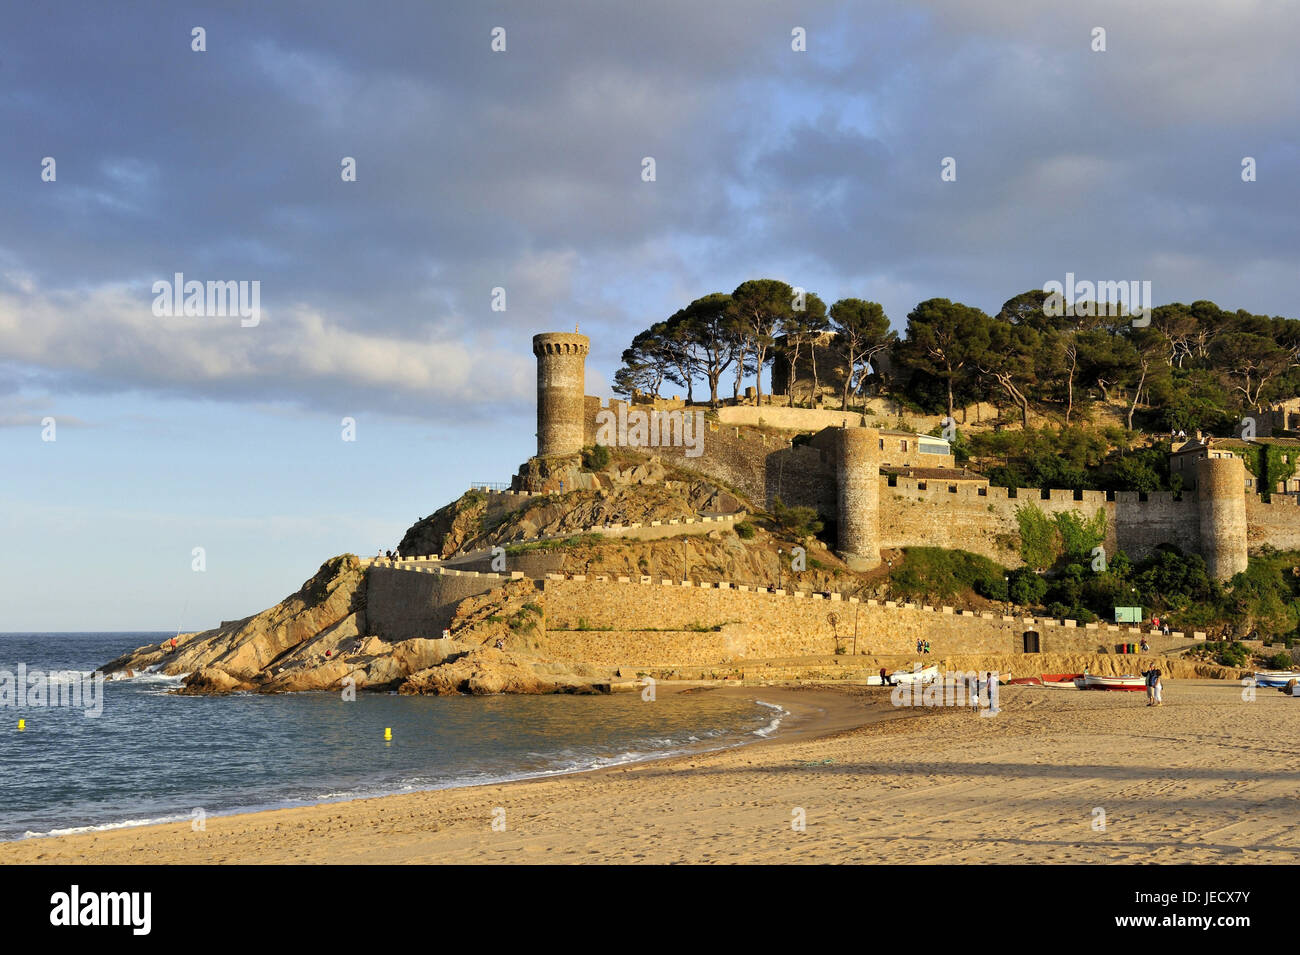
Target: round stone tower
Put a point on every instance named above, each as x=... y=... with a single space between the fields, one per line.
x=1221 y=503
x=561 y=362
x=857 y=475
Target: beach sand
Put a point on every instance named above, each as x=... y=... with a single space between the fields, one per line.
x=1207 y=778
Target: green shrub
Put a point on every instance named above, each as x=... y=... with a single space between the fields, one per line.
x=800 y=522
x=745 y=530
x=939 y=573
x=1279 y=661
x=595 y=458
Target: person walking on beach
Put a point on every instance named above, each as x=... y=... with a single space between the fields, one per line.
x=884 y=678
x=1159 y=690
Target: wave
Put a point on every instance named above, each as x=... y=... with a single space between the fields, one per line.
x=775 y=724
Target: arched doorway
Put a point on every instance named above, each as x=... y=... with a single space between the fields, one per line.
x=1031 y=641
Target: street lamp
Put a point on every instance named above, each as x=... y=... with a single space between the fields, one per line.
x=780 y=551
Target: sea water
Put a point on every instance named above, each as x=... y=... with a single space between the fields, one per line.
x=153 y=756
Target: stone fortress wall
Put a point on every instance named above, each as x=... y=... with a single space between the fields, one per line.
x=837 y=471
x=649 y=622
x=657 y=622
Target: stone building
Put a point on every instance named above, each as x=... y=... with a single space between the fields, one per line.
x=880 y=488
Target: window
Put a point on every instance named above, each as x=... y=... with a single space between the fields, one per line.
x=902 y=445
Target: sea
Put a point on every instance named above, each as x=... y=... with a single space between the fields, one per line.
x=152 y=756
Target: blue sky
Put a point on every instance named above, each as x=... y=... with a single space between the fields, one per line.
x=522 y=170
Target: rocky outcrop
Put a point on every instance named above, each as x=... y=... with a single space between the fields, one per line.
x=314 y=640
x=326 y=613
x=488 y=671
x=448 y=529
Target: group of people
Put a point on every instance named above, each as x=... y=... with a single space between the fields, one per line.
x=1161 y=625
x=391 y=554
x=1155 y=688
x=922 y=646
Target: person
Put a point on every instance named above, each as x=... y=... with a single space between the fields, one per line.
x=501 y=644
x=1165 y=628
x=1151 y=676
x=918 y=644
x=1144 y=645
x=1159 y=688
x=884 y=678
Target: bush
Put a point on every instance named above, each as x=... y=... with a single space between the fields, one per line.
x=1226 y=654
x=595 y=458
x=745 y=530
x=1279 y=661
x=939 y=573
x=800 y=522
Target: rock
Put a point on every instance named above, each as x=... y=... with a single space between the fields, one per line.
x=327 y=676
x=210 y=681
x=333 y=598
x=420 y=654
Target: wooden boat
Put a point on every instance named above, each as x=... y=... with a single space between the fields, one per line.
x=1095 y=682
x=1025 y=681
x=1062 y=681
x=1277 y=678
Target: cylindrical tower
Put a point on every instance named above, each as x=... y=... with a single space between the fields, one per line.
x=857 y=474
x=561 y=362
x=1221 y=503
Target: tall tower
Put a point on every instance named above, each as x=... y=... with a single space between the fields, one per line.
x=857 y=467
x=561 y=366
x=1221 y=504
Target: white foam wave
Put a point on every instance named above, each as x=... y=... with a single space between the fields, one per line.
x=775 y=724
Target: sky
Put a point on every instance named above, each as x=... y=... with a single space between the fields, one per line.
x=522 y=169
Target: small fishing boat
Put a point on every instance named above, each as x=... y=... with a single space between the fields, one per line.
x=1062 y=681
x=1025 y=681
x=1275 y=678
x=1127 y=682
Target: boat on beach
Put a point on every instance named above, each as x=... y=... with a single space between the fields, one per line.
x=1062 y=681
x=927 y=675
x=1275 y=678
x=1093 y=681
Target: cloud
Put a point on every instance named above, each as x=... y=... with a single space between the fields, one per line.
x=522 y=170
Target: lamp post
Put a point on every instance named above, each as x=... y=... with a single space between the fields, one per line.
x=684 y=575
x=780 y=551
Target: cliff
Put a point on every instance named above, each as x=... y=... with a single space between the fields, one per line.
x=315 y=640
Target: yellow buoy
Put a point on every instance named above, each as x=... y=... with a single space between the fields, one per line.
x=388 y=732
x=22 y=724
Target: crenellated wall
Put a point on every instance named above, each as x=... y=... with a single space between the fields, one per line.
x=655 y=622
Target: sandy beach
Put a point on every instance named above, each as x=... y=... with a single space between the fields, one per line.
x=1056 y=776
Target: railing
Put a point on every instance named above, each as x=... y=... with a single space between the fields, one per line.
x=488 y=486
